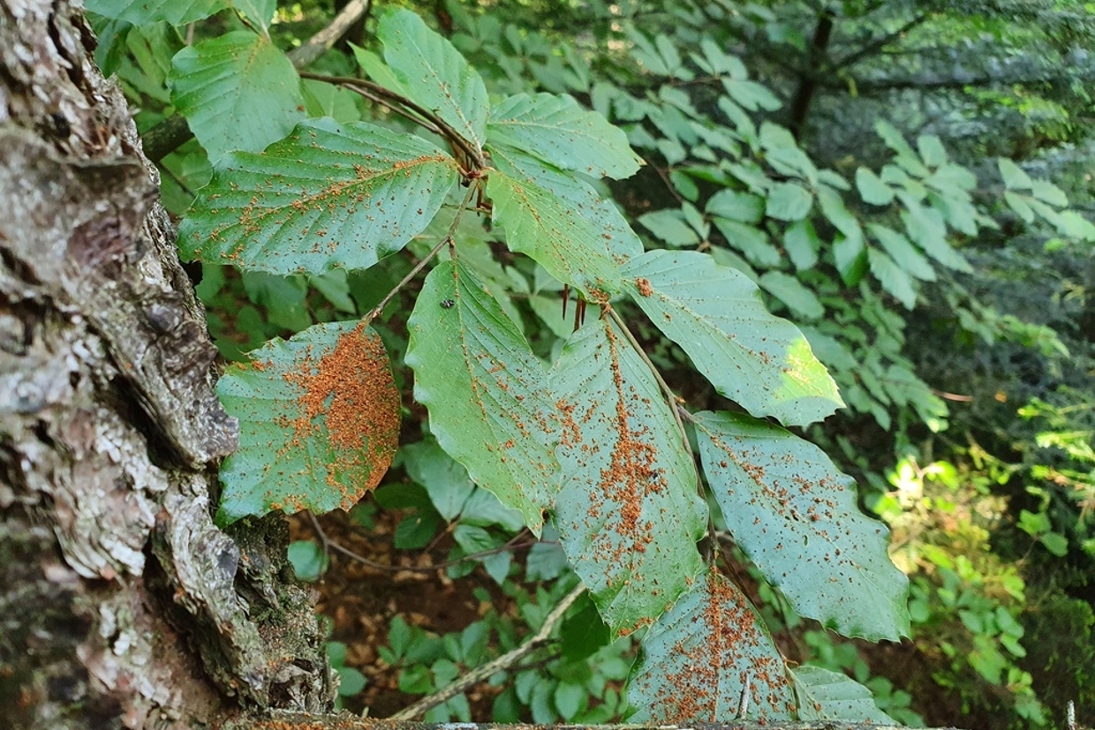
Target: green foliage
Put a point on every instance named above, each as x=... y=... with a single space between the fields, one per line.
x=319 y=422
x=595 y=442
x=490 y=405
x=782 y=498
x=964 y=598
x=710 y=656
x=237 y=92
x=325 y=196
x=570 y=429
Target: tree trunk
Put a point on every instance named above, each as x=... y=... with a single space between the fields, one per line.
x=123 y=604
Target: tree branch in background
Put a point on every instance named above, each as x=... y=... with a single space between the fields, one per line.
x=173 y=132
x=483 y=673
x=878 y=44
x=322 y=41
x=817 y=63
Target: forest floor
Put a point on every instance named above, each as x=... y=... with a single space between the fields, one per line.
x=361 y=600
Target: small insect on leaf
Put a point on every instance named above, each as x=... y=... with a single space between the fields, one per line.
x=447 y=304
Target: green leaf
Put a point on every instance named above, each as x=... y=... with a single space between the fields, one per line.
x=931 y=150
x=925 y=228
x=796 y=517
x=903 y=252
x=434 y=74
x=328 y=195
x=872 y=188
x=669 y=226
x=259 y=12
x=784 y=155
x=350 y=681
x=715 y=314
x=144 y=12
x=559 y=132
x=237 y=91
x=892 y=277
x=832 y=205
x=850 y=256
x=737 y=206
x=319 y=422
x=791 y=292
x=1015 y=178
x=1071 y=223
x=1049 y=193
x=905 y=155
x=826 y=695
x=1055 y=543
x=788 y=202
x=750 y=240
x=557 y=236
x=486 y=392
x=308 y=560
x=445 y=481
x=1018 y=203
x=614 y=233
x=378 y=71
x=802 y=244
x=697 y=659
x=628 y=512
x=568 y=699
x=751 y=95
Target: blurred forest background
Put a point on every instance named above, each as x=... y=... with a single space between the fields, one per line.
x=910 y=182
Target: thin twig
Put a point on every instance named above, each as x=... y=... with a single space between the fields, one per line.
x=319 y=44
x=377 y=99
x=480 y=674
x=448 y=239
x=329 y=544
x=391 y=98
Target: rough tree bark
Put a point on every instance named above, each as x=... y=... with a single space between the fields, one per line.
x=122 y=604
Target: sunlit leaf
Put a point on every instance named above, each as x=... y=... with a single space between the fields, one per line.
x=628 y=512
x=328 y=195
x=259 y=12
x=715 y=314
x=698 y=658
x=795 y=516
x=486 y=392
x=434 y=74
x=561 y=133
x=319 y=422
x=237 y=91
